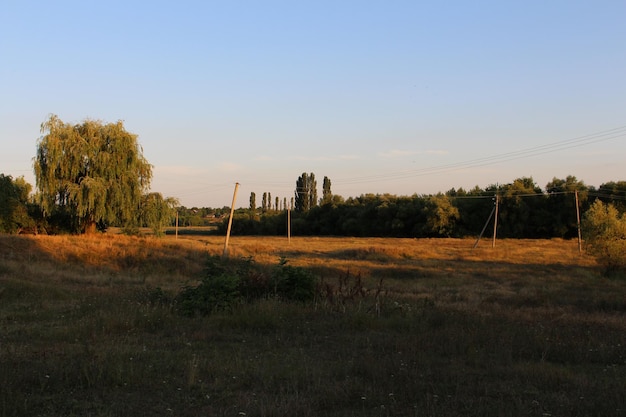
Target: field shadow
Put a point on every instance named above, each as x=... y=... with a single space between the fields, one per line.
x=22 y=249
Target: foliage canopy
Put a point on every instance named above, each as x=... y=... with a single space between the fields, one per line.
x=605 y=236
x=92 y=172
x=14 y=214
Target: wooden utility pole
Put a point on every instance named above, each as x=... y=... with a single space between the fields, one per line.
x=289 y=224
x=230 y=222
x=482 y=232
x=495 y=223
x=176 y=224
x=580 y=240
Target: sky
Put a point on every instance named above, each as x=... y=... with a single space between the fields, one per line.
x=400 y=97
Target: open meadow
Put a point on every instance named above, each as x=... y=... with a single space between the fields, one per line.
x=90 y=326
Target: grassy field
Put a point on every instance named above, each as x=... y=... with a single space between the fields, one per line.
x=89 y=327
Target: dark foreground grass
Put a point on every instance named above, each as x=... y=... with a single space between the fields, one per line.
x=82 y=345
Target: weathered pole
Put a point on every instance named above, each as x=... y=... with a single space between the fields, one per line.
x=230 y=222
x=288 y=225
x=580 y=240
x=495 y=224
x=484 y=227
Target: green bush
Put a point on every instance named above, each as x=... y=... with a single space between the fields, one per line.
x=226 y=284
x=605 y=236
x=219 y=290
x=215 y=293
x=293 y=283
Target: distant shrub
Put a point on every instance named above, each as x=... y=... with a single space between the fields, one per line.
x=218 y=291
x=605 y=236
x=227 y=284
x=293 y=283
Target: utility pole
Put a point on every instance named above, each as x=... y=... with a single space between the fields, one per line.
x=484 y=227
x=495 y=223
x=176 y=224
x=230 y=222
x=580 y=243
x=288 y=224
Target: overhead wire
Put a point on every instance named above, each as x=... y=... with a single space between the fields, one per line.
x=493 y=159
x=608 y=196
x=579 y=141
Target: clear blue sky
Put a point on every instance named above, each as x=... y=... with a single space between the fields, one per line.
x=396 y=97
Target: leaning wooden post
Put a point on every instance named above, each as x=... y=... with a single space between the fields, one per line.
x=580 y=240
x=484 y=227
x=495 y=224
x=230 y=222
x=288 y=224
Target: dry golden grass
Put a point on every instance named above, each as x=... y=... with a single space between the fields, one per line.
x=515 y=270
x=529 y=327
x=371 y=253
x=115 y=252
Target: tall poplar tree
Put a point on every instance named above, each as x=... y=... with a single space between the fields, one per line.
x=327 y=195
x=253 y=201
x=306 y=192
x=92 y=171
x=312 y=191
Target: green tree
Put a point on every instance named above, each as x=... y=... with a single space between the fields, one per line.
x=157 y=212
x=520 y=214
x=604 y=231
x=306 y=192
x=252 y=202
x=474 y=207
x=92 y=171
x=14 y=204
x=312 y=190
x=561 y=205
x=441 y=216
x=614 y=192
x=327 y=195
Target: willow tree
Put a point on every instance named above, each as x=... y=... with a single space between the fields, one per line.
x=157 y=212
x=92 y=171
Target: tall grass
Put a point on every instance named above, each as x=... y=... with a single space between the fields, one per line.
x=89 y=327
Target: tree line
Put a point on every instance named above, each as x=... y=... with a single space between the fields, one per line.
x=92 y=175
x=525 y=210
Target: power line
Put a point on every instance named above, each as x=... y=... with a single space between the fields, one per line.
x=579 y=141
x=608 y=196
x=494 y=159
